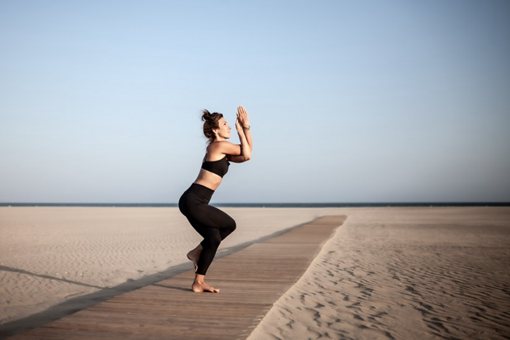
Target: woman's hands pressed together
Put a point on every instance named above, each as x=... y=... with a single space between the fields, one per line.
x=243 y=129
x=242 y=117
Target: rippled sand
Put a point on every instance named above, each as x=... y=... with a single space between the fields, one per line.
x=403 y=273
x=387 y=273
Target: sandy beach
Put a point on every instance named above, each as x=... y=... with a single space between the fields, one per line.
x=51 y=254
x=403 y=273
x=386 y=272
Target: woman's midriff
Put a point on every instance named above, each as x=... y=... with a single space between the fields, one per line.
x=208 y=179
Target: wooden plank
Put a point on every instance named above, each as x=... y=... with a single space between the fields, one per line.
x=251 y=280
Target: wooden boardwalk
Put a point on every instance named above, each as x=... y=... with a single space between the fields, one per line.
x=251 y=280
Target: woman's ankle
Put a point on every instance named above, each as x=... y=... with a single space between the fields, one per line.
x=199 y=278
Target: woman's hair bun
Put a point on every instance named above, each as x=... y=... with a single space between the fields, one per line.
x=206 y=116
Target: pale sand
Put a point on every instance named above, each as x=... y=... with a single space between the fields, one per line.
x=51 y=254
x=387 y=272
x=403 y=273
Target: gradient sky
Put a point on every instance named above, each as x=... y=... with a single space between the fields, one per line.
x=350 y=101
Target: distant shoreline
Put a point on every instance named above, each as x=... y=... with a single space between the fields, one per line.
x=267 y=205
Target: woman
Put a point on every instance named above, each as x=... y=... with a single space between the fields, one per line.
x=210 y=222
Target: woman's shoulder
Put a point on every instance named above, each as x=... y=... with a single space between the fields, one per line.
x=218 y=147
x=215 y=150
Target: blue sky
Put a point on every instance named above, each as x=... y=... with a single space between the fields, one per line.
x=350 y=101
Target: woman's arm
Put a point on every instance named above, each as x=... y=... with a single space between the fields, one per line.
x=245 y=146
x=243 y=130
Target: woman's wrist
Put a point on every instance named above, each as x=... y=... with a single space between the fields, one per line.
x=247 y=126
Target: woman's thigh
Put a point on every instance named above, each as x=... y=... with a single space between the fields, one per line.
x=208 y=216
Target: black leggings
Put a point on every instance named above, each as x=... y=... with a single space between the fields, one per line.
x=210 y=222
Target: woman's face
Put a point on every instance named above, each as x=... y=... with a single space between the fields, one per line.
x=223 y=129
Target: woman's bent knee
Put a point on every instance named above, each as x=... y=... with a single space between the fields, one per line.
x=232 y=224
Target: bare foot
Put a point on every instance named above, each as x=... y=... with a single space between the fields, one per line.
x=194 y=255
x=200 y=287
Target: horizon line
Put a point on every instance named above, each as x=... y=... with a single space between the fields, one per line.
x=263 y=204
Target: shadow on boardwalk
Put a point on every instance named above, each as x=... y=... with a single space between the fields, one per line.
x=161 y=305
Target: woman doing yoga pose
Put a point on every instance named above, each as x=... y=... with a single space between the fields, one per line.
x=210 y=222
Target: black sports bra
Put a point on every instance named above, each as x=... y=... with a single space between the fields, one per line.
x=219 y=167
